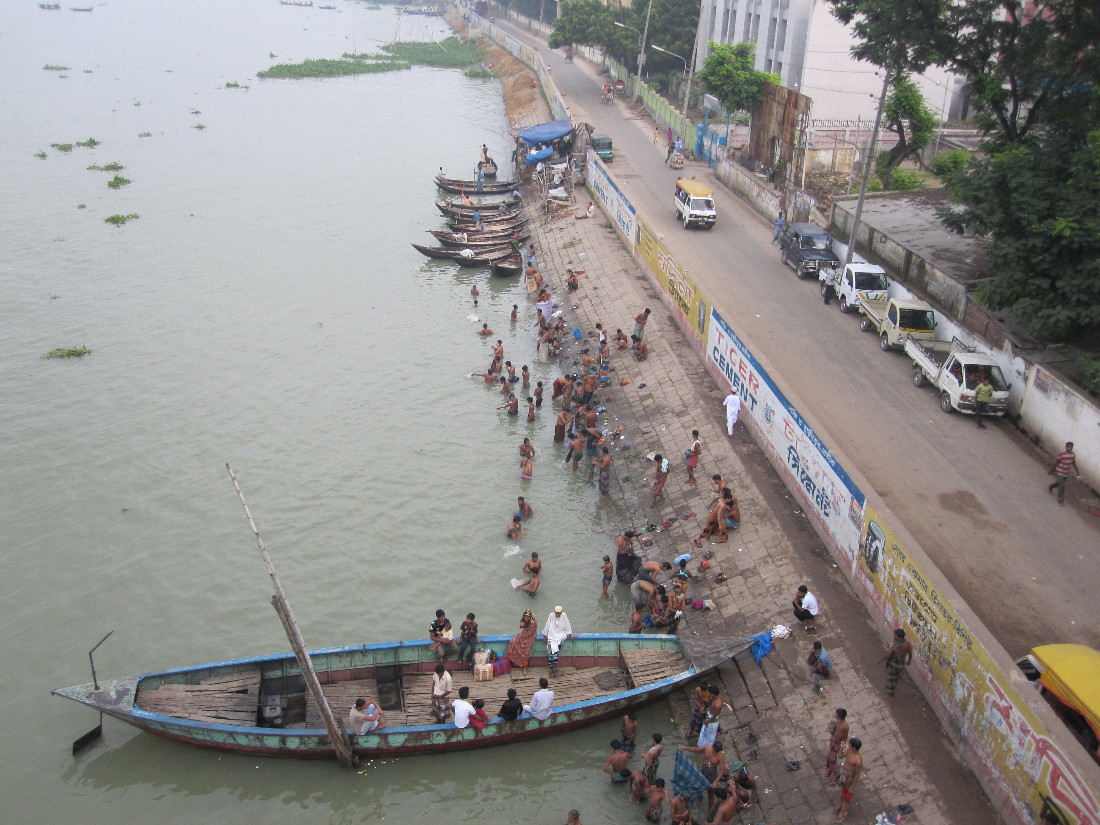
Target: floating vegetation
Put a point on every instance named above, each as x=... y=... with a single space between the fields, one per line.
x=40 y=154
x=71 y=352
x=199 y=126
x=62 y=147
x=449 y=53
x=145 y=134
x=196 y=112
x=90 y=143
x=137 y=102
x=87 y=71
x=119 y=220
x=479 y=73
x=113 y=166
x=117 y=182
x=233 y=84
x=332 y=68
x=81 y=206
x=50 y=67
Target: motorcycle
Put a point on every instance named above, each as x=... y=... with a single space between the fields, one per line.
x=568 y=55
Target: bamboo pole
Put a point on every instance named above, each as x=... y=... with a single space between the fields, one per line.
x=297 y=643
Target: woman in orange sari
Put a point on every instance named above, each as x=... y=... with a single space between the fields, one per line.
x=519 y=648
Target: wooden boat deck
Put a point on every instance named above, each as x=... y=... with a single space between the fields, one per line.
x=644 y=667
x=225 y=699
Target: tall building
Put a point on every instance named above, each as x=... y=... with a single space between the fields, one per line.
x=810 y=50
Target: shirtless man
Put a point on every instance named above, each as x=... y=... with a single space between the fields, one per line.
x=531 y=585
x=488 y=376
x=505 y=387
x=608 y=571
x=498 y=349
x=588 y=386
x=538 y=393
x=515 y=529
x=849 y=777
x=743 y=787
x=484 y=330
x=620 y=339
x=586 y=359
x=525 y=376
x=533 y=566
x=560 y=423
x=616 y=761
x=638 y=785
x=680 y=810
x=567 y=392
x=511 y=372
x=727 y=808
x=576 y=451
x=658 y=796
x=714 y=765
x=513 y=404
x=526 y=469
x=557 y=387
x=641 y=350
x=474 y=293
x=526 y=449
x=515 y=313
x=524 y=510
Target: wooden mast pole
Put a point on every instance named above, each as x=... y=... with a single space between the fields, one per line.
x=286 y=615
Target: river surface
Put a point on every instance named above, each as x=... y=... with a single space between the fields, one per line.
x=266 y=310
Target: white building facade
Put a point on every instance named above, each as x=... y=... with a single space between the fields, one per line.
x=810 y=50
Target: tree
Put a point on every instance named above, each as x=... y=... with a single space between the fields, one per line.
x=1039 y=201
x=728 y=74
x=906 y=114
x=582 y=22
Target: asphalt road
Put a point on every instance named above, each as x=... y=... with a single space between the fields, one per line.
x=975 y=500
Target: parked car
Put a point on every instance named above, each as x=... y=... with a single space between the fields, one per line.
x=603 y=147
x=896 y=320
x=858 y=281
x=694 y=204
x=807 y=248
x=955 y=371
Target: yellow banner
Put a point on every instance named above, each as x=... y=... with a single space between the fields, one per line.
x=685 y=297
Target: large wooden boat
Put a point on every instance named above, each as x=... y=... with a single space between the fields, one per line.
x=436 y=251
x=260 y=705
x=470 y=186
x=491 y=224
x=477 y=238
x=457 y=208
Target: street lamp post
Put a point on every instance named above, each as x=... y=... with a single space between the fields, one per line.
x=687 y=89
x=641 y=45
x=867 y=169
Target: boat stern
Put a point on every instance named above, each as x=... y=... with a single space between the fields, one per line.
x=113 y=696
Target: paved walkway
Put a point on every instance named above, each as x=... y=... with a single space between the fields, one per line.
x=774 y=703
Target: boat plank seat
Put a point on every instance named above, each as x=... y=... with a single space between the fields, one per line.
x=225 y=699
x=648 y=666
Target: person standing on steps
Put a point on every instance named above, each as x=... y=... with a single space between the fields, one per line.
x=849 y=776
x=691 y=455
x=897 y=658
x=1065 y=462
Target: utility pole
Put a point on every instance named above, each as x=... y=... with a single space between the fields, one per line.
x=867 y=166
x=641 y=52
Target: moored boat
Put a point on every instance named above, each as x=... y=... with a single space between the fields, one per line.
x=483 y=257
x=459 y=209
x=508 y=267
x=436 y=251
x=470 y=186
x=477 y=241
x=260 y=705
x=499 y=224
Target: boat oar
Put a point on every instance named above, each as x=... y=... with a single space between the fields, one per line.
x=96 y=732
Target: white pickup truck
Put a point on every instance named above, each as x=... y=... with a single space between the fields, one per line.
x=858 y=282
x=956 y=370
x=897 y=319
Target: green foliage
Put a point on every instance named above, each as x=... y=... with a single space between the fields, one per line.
x=71 y=352
x=585 y=23
x=119 y=220
x=331 y=68
x=906 y=114
x=479 y=73
x=233 y=84
x=81 y=206
x=50 y=67
x=729 y=75
x=199 y=126
x=904 y=180
x=62 y=147
x=117 y=182
x=90 y=143
x=145 y=134
x=1040 y=201
x=40 y=155
x=948 y=165
x=874 y=185
x=451 y=53
x=1089 y=378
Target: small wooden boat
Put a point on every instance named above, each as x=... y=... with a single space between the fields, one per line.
x=490 y=168
x=512 y=265
x=470 y=186
x=476 y=242
x=296 y=3
x=89 y=8
x=436 y=251
x=259 y=705
x=484 y=257
x=490 y=231
x=498 y=225
x=49 y=6
x=457 y=208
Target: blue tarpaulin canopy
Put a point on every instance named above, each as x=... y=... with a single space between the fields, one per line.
x=545 y=132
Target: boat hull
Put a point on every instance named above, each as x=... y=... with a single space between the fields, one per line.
x=341 y=668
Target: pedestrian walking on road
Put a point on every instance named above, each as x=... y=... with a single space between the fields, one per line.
x=778 y=225
x=671 y=149
x=1065 y=462
x=897 y=657
x=982 y=393
x=733 y=408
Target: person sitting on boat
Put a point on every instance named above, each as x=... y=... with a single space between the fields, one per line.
x=460 y=237
x=364 y=717
x=512 y=707
x=516 y=196
x=468 y=253
x=556 y=630
x=479 y=224
x=462 y=708
x=542 y=703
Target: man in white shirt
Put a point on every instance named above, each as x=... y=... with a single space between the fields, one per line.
x=442 y=684
x=733 y=408
x=364 y=717
x=805 y=607
x=556 y=631
x=542 y=703
x=463 y=709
